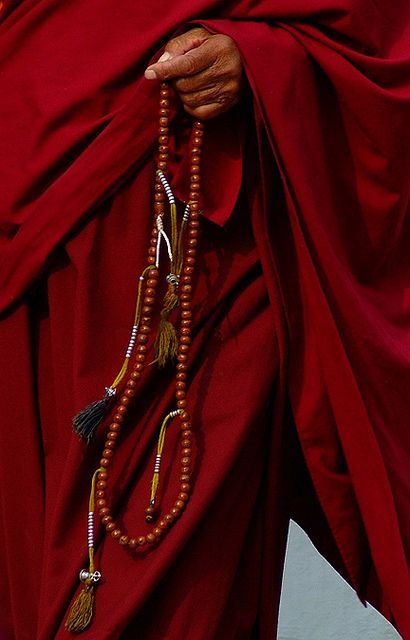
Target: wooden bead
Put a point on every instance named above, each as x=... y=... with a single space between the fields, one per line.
x=186 y=451
x=185 y=477
x=140 y=357
x=115 y=426
x=103 y=475
x=179 y=504
x=124 y=400
x=185 y=486
x=185 y=471
x=163 y=524
x=186 y=461
x=122 y=409
x=132 y=543
x=151 y=538
x=112 y=435
x=104 y=511
x=116 y=533
x=157 y=532
x=131 y=384
x=136 y=375
x=104 y=462
x=169 y=518
x=100 y=493
x=186 y=443
x=175 y=512
x=124 y=540
x=141 y=541
x=106 y=520
x=183 y=496
x=101 y=484
x=107 y=453
x=145 y=329
x=142 y=348
x=110 y=444
x=110 y=526
x=101 y=503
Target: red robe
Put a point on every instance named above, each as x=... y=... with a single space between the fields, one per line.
x=301 y=312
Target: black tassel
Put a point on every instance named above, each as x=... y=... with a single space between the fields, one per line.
x=87 y=420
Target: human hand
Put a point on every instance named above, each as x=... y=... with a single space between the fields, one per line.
x=205 y=70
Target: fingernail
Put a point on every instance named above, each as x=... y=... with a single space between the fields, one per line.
x=150 y=74
x=165 y=56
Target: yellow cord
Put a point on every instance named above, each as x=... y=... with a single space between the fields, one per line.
x=174 y=231
x=137 y=316
x=160 y=448
x=91 y=507
x=180 y=251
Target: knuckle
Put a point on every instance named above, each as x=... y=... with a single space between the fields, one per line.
x=190 y=65
x=184 y=85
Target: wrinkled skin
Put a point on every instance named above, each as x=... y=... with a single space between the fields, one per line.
x=205 y=70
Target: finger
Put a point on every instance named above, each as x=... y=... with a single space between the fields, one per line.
x=203 y=80
x=187 y=64
x=207 y=111
x=223 y=94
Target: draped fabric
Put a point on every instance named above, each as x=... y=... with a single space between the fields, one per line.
x=302 y=300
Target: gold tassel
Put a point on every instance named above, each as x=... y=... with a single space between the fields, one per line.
x=166 y=343
x=81 y=611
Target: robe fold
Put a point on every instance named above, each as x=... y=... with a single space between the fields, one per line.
x=300 y=372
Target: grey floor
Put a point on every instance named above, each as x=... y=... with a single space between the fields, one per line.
x=319 y=605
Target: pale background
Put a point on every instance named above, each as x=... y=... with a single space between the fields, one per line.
x=319 y=605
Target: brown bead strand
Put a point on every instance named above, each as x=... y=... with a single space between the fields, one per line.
x=143 y=335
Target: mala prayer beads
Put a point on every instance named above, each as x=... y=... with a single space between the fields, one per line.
x=181 y=249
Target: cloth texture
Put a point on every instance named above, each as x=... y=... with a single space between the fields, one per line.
x=302 y=311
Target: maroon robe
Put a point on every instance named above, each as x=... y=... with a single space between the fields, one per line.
x=301 y=299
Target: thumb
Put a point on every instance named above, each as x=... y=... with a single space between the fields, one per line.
x=187 y=41
x=176 y=47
